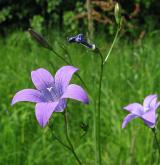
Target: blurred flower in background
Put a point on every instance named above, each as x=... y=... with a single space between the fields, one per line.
x=147 y=111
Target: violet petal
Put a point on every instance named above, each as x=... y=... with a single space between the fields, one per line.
x=135 y=108
x=61 y=106
x=147 y=101
x=150 y=116
x=64 y=75
x=127 y=119
x=76 y=92
x=42 y=79
x=154 y=103
x=149 y=124
x=30 y=95
x=157 y=105
x=44 y=111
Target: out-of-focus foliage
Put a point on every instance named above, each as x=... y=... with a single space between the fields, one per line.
x=71 y=16
x=5 y=14
x=37 y=22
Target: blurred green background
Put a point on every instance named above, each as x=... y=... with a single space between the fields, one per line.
x=131 y=73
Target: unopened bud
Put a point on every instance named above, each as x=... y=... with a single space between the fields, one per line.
x=40 y=39
x=117 y=13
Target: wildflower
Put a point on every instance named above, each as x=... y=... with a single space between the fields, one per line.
x=147 y=111
x=81 y=40
x=51 y=93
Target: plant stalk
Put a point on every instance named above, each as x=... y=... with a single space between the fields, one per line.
x=113 y=43
x=98 y=116
x=68 y=138
x=59 y=140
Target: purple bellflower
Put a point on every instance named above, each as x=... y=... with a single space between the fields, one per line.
x=81 y=40
x=147 y=111
x=51 y=93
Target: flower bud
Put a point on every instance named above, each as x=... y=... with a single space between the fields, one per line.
x=81 y=40
x=40 y=39
x=117 y=13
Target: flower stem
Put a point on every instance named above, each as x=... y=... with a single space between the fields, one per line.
x=80 y=78
x=68 y=138
x=113 y=43
x=155 y=137
x=98 y=116
x=58 y=55
x=59 y=140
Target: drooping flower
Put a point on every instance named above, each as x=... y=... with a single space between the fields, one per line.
x=51 y=92
x=147 y=111
x=81 y=40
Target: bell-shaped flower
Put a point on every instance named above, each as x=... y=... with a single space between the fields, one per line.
x=81 y=40
x=147 y=111
x=51 y=92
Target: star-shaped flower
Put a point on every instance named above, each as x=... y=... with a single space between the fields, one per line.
x=51 y=93
x=147 y=111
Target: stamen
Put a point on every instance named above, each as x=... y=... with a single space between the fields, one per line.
x=54 y=93
x=49 y=89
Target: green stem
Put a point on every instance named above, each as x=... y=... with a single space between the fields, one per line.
x=66 y=51
x=59 y=140
x=98 y=116
x=58 y=55
x=68 y=138
x=155 y=137
x=80 y=78
x=113 y=43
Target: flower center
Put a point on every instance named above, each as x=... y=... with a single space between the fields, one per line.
x=53 y=93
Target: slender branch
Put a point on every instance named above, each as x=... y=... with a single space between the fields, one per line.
x=59 y=140
x=66 y=51
x=68 y=138
x=68 y=55
x=99 y=109
x=113 y=43
x=58 y=55
x=80 y=78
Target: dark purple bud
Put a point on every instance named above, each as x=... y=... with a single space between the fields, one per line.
x=40 y=39
x=81 y=40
